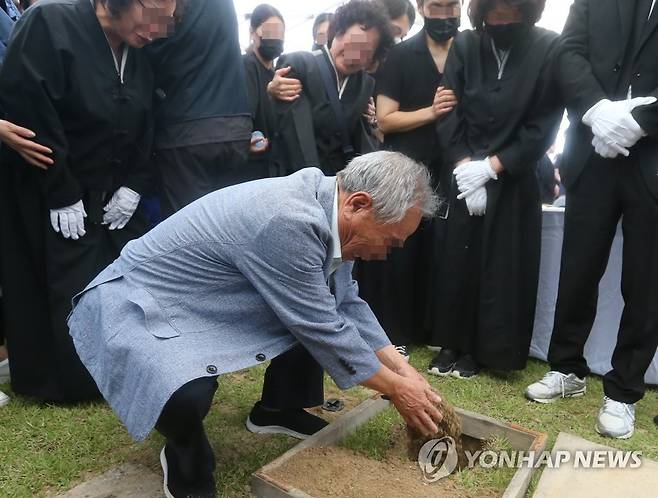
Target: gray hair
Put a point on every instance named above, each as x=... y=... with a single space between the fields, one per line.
x=395 y=182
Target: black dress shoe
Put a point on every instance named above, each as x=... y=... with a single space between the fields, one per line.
x=176 y=487
x=297 y=423
x=466 y=367
x=443 y=362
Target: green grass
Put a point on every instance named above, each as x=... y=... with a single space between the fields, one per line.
x=500 y=396
x=373 y=439
x=45 y=450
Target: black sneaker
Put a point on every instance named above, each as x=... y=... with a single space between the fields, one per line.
x=465 y=368
x=296 y=423
x=443 y=362
x=175 y=487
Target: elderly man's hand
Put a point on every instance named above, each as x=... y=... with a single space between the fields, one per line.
x=417 y=402
x=20 y=139
x=282 y=88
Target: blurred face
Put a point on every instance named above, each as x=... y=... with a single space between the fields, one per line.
x=321 y=33
x=272 y=29
x=353 y=51
x=400 y=27
x=144 y=21
x=363 y=236
x=441 y=9
x=503 y=14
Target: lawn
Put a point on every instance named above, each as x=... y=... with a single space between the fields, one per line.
x=45 y=450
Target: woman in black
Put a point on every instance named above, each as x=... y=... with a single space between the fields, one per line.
x=310 y=132
x=72 y=75
x=506 y=119
x=410 y=101
x=267 y=34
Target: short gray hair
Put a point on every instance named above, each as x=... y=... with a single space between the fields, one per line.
x=395 y=182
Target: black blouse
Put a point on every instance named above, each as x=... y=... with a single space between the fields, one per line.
x=260 y=105
x=515 y=117
x=410 y=77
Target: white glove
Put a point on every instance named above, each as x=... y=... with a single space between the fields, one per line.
x=121 y=207
x=613 y=122
x=70 y=221
x=472 y=175
x=476 y=201
x=608 y=151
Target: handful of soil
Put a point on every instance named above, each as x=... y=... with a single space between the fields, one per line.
x=450 y=425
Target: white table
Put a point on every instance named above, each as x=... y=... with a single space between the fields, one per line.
x=602 y=340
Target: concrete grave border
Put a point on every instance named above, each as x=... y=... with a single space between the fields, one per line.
x=473 y=424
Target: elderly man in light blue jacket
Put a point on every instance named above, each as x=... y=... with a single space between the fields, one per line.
x=239 y=277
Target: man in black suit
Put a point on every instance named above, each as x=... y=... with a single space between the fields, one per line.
x=608 y=73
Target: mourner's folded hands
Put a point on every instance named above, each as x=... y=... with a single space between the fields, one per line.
x=282 y=88
x=476 y=202
x=472 y=175
x=21 y=140
x=444 y=101
x=614 y=124
x=69 y=221
x=121 y=207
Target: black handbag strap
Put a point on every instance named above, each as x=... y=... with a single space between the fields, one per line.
x=329 y=81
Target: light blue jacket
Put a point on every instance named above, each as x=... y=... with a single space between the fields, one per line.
x=232 y=280
x=6 y=27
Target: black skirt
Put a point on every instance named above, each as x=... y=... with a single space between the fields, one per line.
x=41 y=272
x=486 y=289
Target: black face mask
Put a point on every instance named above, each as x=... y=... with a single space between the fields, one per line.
x=270 y=48
x=506 y=35
x=441 y=30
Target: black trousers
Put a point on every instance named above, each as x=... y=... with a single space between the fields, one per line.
x=188 y=173
x=606 y=191
x=292 y=380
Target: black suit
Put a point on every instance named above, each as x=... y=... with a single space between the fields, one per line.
x=591 y=67
x=608 y=46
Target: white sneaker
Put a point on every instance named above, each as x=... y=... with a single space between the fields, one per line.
x=555 y=385
x=4 y=399
x=616 y=419
x=5 y=378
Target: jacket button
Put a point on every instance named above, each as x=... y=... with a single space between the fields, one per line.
x=616 y=68
x=211 y=369
x=261 y=357
x=637 y=75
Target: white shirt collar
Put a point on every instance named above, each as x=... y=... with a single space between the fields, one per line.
x=337 y=255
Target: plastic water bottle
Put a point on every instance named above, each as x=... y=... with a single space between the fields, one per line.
x=260 y=140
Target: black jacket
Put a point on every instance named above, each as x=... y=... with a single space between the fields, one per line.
x=307 y=129
x=591 y=61
x=59 y=80
x=515 y=117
